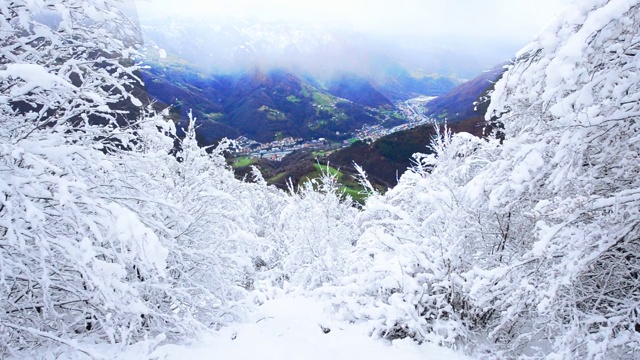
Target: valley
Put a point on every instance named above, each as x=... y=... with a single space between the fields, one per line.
x=293 y=96
x=284 y=123
x=385 y=153
x=286 y=118
x=297 y=160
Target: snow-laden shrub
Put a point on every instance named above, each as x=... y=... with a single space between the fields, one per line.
x=408 y=275
x=194 y=202
x=74 y=260
x=316 y=228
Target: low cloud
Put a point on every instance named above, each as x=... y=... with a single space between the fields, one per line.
x=518 y=20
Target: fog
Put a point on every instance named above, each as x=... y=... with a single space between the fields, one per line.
x=454 y=37
x=518 y=20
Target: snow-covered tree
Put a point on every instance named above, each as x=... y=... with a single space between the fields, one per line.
x=570 y=106
x=526 y=247
x=74 y=260
x=65 y=60
x=90 y=218
x=211 y=245
x=419 y=240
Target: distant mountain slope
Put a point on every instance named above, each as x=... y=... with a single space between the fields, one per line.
x=360 y=90
x=457 y=104
x=266 y=105
x=397 y=83
x=185 y=89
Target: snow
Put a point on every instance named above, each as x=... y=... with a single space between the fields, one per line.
x=94 y=97
x=162 y=53
x=135 y=101
x=142 y=240
x=291 y=327
x=34 y=75
x=500 y=247
x=286 y=327
x=525 y=169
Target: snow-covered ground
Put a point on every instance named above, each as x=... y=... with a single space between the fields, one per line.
x=294 y=328
x=287 y=327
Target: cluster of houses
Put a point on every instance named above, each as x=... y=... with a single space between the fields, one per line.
x=278 y=149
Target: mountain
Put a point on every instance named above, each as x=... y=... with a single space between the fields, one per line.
x=360 y=90
x=264 y=105
x=455 y=105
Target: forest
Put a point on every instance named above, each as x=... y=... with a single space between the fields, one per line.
x=116 y=232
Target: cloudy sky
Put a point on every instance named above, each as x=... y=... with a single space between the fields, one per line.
x=518 y=20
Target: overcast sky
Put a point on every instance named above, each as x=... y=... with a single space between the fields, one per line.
x=519 y=20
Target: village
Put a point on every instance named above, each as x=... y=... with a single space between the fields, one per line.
x=411 y=109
